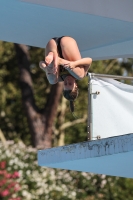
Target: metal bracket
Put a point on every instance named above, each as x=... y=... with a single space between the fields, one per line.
x=97 y=93
x=98 y=137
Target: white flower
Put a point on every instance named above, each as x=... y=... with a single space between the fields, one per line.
x=15 y=167
x=14 y=195
x=24 y=193
x=8 y=153
x=17 y=151
x=11 y=162
x=40 y=191
x=28 y=172
x=20 y=172
x=24 y=186
x=103 y=183
x=28 y=196
x=103 y=176
x=73 y=193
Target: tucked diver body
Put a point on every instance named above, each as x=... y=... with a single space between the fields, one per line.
x=63 y=62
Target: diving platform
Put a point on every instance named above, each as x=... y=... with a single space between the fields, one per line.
x=109 y=149
x=110 y=156
x=102 y=29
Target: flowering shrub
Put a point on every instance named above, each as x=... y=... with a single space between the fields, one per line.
x=22 y=179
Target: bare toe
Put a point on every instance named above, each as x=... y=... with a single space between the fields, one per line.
x=42 y=65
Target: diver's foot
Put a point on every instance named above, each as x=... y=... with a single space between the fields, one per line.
x=49 y=58
x=42 y=65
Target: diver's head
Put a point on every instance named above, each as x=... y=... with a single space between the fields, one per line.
x=70 y=91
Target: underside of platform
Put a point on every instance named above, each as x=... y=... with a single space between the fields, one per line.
x=102 y=29
x=111 y=156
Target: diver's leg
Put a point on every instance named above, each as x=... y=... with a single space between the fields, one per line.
x=51 y=57
x=50 y=64
x=70 y=52
x=51 y=53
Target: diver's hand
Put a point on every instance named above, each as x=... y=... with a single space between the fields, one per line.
x=69 y=66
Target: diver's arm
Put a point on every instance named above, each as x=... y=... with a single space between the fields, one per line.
x=78 y=68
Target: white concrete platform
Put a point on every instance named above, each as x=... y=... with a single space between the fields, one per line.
x=103 y=29
x=111 y=156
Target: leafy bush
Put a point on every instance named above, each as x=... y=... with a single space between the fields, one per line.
x=22 y=179
x=35 y=182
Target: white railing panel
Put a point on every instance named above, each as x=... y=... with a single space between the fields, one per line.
x=112 y=109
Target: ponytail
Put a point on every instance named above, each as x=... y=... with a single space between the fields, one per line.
x=71 y=95
x=71 y=106
x=72 y=109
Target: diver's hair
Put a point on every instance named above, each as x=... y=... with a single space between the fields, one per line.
x=72 y=106
x=71 y=95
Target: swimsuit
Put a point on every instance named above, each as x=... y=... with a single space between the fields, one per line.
x=63 y=72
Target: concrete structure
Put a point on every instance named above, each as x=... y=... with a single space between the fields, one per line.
x=110 y=156
x=103 y=29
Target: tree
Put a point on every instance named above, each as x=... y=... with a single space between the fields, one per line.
x=40 y=120
x=13 y=120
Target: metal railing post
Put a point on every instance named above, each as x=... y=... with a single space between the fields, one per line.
x=89 y=127
x=111 y=76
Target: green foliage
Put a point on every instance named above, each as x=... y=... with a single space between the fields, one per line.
x=40 y=82
x=43 y=183
x=12 y=115
x=10 y=100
